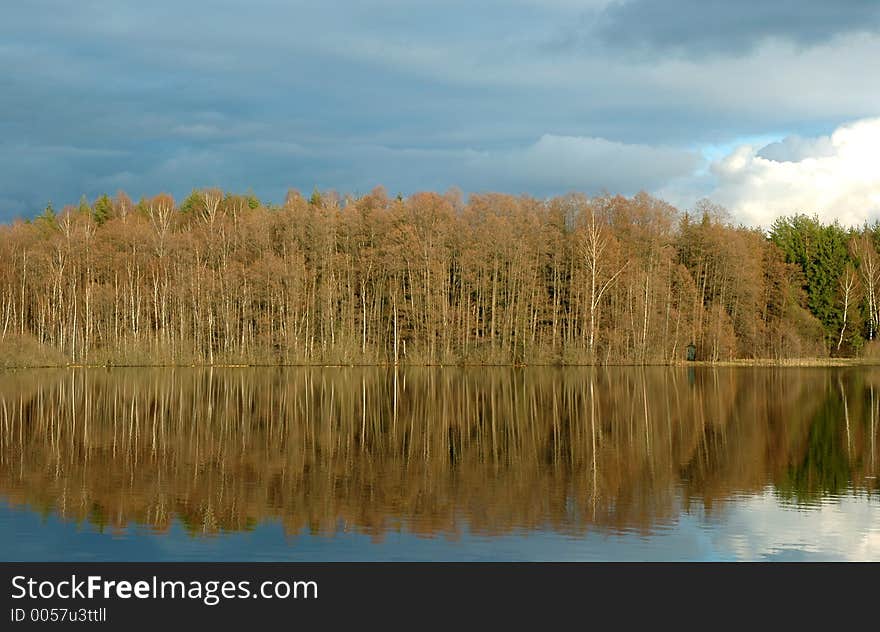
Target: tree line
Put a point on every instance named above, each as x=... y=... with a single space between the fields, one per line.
x=222 y=278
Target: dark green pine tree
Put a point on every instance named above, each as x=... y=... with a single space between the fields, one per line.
x=48 y=218
x=192 y=203
x=821 y=253
x=103 y=209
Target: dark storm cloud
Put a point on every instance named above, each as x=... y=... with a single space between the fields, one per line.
x=697 y=27
x=411 y=94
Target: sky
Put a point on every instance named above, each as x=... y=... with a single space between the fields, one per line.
x=753 y=527
x=767 y=107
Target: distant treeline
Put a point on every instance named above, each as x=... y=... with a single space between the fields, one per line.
x=223 y=278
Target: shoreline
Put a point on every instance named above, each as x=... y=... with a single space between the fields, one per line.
x=742 y=363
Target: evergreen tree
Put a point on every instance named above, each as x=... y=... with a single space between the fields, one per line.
x=822 y=254
x=103 y=209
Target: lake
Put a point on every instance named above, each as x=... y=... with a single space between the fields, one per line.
x=305 y=464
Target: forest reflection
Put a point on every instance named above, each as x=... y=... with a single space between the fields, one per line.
x=430 y=451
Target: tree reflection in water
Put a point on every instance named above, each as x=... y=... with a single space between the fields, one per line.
x=430 y=451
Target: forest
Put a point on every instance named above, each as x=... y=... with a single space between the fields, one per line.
x=223 y=279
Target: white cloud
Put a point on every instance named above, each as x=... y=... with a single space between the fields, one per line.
x=761 y=527
x=796 y=148
x=835 y=177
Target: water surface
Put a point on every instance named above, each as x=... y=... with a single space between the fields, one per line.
x=440 y=464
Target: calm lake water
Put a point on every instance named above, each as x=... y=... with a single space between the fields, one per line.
x=440 y=464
